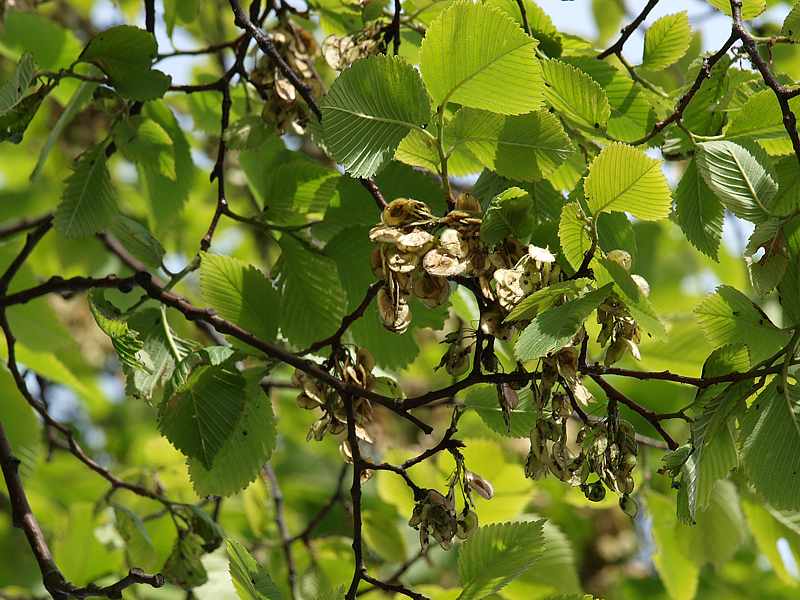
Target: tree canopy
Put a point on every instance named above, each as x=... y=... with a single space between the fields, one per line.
x=424 y=298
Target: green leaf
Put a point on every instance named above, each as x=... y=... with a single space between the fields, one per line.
x=241 y=458
x=624 y=178
x=760 y=119
x=666 y=41
x=138 y=544
x=251 y=580
x=369 y=109
x=539 y=22
x=13 y=90
x=719 y=529
x=750 y=8
x=483 y=400
x=575 y=95
x=240 y=293
x=21 y=424
x=544 y=298
x=161 y=347
x=678 y=574
x=739 y=180
x=81 y=96
x=554 y=328
x=184 y=566
x=312 y=299
x=125 y=340
x=767 y=531
x=14 y=123
x=729 y=317
x=574 y=234
x=248 y=133
x=166 y=193
x=772 y=449
x=89 y=202
x=527 y=147
x=137 y=239
x=508 y=215
x=125 y=54
x=497 y=554
x=791 y=25
x=699 y=213
x=201 y=414
x=497 y=71
x=52 y=45
x=93 y=559
x=382 y=534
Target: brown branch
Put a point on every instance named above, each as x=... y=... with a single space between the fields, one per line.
x=336 y=338
x=524 y=15
x=283 y=532
x=24 y=225
x=782 y=93
x=651 y=417
x=395 y=26
x=57 y=284
x=355 y=496
x=627 y=31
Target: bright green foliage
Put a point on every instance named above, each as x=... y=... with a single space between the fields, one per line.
x=699 y=212
x=240 y=293
x=526 y=148
x=791 y=25
x=495 y=555
x=626 y=179
x=666 y=41
x=772 y=449
x=382 y=99
x=679 y=573
x=125 y=340
x=739 y=180
x=251 y=581
x=729 y=317
x=555 y=327
x=544 y=298
x=750 y=8
x=125 y=53
x=497 y=71
x=13 y=90
x=89 y=201
x=576 y=95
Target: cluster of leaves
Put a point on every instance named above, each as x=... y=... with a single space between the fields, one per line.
x=586 y=305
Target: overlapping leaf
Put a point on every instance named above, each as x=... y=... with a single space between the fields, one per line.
x=497 y=71
x=699 y=212
x=369 y=109
x=13 y=90
x=575 y=95
x=666 y=41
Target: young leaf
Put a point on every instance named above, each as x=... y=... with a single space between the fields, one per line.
x=666 y=41
x=125 y=340
x=240 y=293
x=497 y=71
x=137 y=239
x=369 y=109
x=483 y=400
x=729 y=317
x=544 y=298
x=772 y=449
x=201 y=414
x=575 y=95
x=739 y=180
x=184 y=566
x=526 y=148
x=14 y=122
x=508 y=215
x=125 y=54
x=252 y=582
x=13 y=90
x=699 y=213
x=554 y=328
x=497 y=554
x=624 y=178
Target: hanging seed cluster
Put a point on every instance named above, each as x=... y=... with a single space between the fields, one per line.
x=282 y=108
x=352 y=367
x=342 y=51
